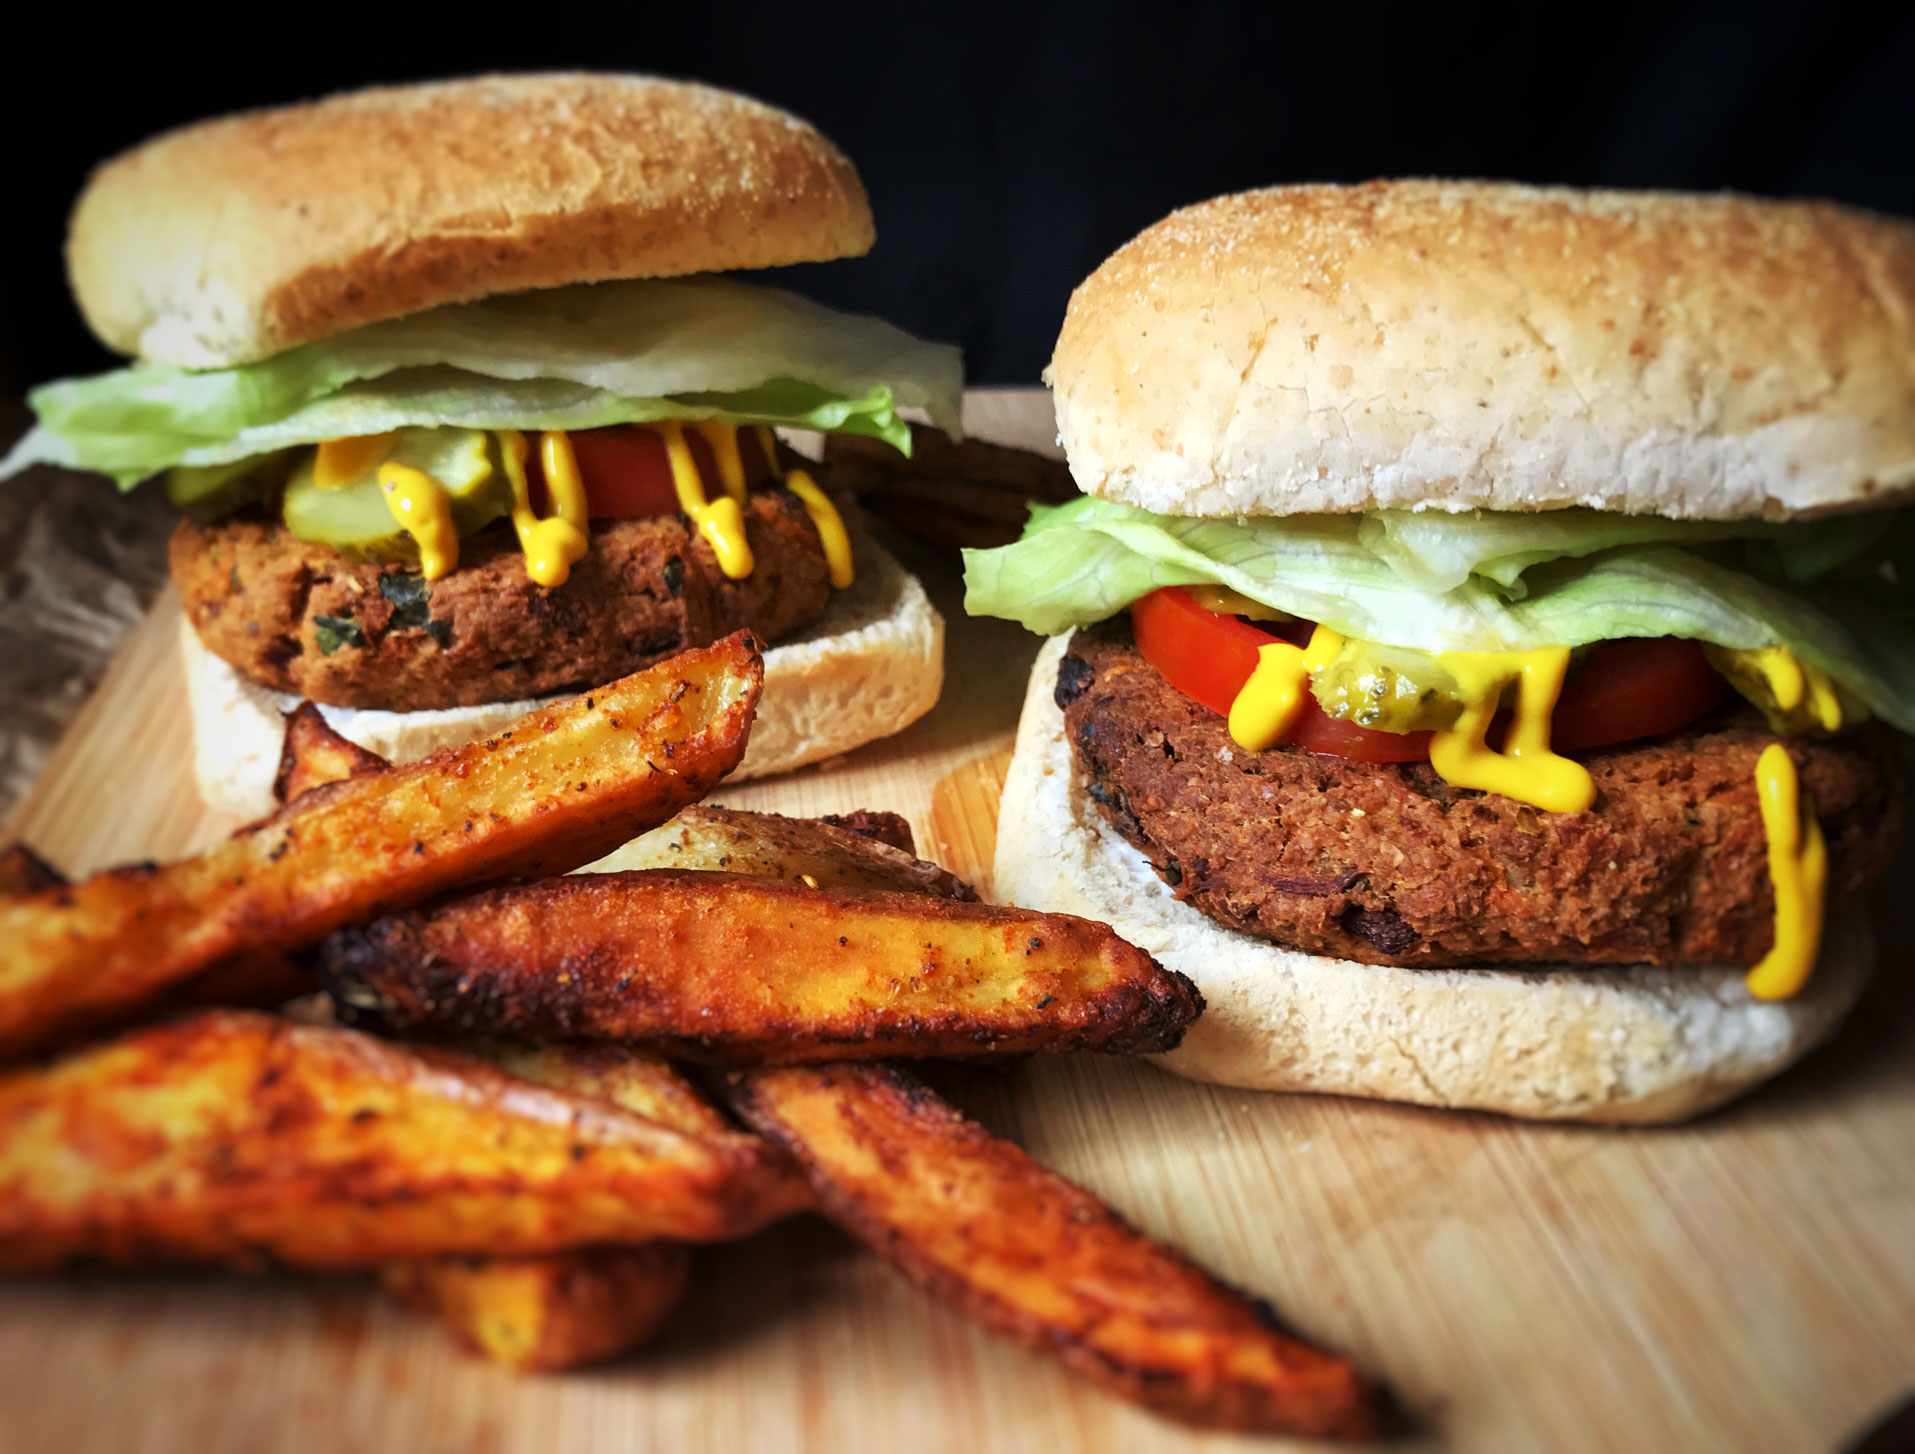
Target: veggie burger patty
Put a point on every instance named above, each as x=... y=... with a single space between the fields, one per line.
x=1385 y=863
x=302 y=618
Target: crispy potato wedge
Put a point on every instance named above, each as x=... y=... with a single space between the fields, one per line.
x=977 y=1223
x=315 y=755
x=233 y=1137
x=726 y=969
x=567 y=1309
x=23 y=872
x=561 y=787
x=839 y=855
x=548 y=1313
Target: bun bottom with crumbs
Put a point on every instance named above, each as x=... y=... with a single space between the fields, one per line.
x=1638 y=1045
x=870 y=666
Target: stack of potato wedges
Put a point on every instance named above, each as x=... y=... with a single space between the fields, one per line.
x=388 y=1028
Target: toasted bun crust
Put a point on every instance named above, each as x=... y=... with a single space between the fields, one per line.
x=1632 y=1045
x=1465 y=345
x=870 y=666
x=236 y=238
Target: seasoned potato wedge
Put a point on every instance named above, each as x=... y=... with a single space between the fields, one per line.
x=567 y=1309
x=233 y=1137
x=562 y=1311
x=976 y=1222
x=561 y=787
x=23 y=872
x=845 y=854
x=315 y=755
x=727 y=969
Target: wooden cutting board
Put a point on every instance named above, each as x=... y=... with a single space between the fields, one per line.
x=1746 y=1283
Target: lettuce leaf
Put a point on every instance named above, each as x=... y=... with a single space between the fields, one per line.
x=1087 y=560
x=577 y=357
x=1439 y=551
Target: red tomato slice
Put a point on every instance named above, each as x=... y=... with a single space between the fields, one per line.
x=625 y=472
x=627 y=476
x=1208 y=657
x=1620 y=691
x=1623 y=690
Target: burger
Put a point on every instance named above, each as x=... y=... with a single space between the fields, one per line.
x=464 y=406
x=1478 y=656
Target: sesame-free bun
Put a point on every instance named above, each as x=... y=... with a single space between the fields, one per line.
x=1615 y=1045
x=233 y=239
x=1462 y=345
x=870 y=666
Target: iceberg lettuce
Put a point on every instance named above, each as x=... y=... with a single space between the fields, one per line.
x=573 y=358
x=1087 y=560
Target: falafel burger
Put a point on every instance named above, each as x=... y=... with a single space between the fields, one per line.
x=465 y=404
x=1478 y=658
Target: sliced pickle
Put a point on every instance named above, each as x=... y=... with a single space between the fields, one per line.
x=205 y=493
x=355 y=520
x=1799 y=700
x=1389 y=688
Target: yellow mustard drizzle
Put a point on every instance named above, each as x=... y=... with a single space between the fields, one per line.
x=723 y=439
x=720 y=521
x=424 y=511
x=1794 y=683
x=1266 y=706
x=553 y=545
x=1799 y=871
x=340 y=462
x=422 y=505
x=1525 y=769
x=829 y=524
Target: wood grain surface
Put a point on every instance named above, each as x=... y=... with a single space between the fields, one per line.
x=1744 y=1283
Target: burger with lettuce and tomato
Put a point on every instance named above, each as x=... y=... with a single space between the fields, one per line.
x=1478 y=658
x=464 y=405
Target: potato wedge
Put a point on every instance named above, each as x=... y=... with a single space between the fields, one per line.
x=315 y=755
x=234 y=1137
x=567 y=1309
x=839 y=855
x=977 y=1223
x=548 y=1313
x=561 y=787
x=24 y=872
x=727 y=969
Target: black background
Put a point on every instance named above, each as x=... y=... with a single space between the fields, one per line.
x=1009 y=148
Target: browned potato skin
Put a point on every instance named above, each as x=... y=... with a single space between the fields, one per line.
x=235 y=1138
x=563 y=1309
x=563 y=786
x=22 y=872
x=568 y=1309
x=846 y=854
x=977 y=1223
x=315 y=755
x=727 y=969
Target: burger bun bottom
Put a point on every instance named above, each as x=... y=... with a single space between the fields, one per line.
x=1627 y=1045
x=870 y=666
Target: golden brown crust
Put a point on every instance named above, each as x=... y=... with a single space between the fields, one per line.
x=735 y=969
x=562 y=786
x=233 y=1138
x=1466 y=344
x=233 y=239
x=977 y=1223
